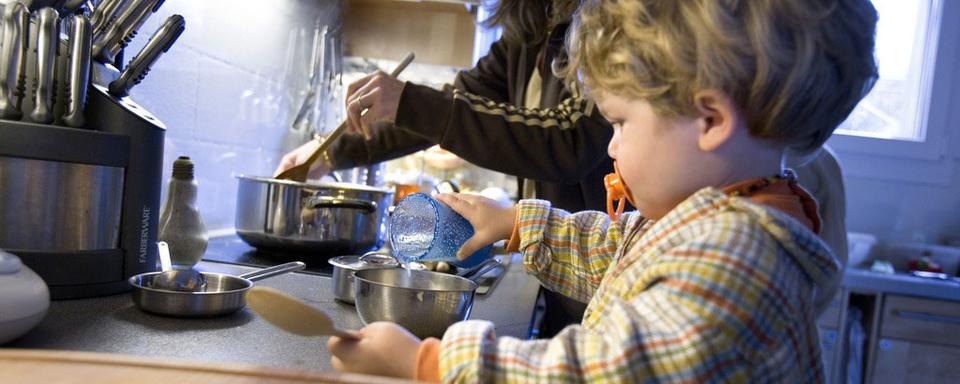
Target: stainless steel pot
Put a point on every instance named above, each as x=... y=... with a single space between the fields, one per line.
x=223 y=294
x=345 y=266
x=335 y=218
x=423 y=302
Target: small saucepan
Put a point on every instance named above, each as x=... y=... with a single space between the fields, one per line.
x=223 y=294
x=423 y=302
x=345 y=266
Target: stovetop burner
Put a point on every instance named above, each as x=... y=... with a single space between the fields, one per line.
x=231 y=249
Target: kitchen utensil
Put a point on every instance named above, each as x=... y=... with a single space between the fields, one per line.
x=317 y=61
x=13 y=60
x=345 y=266
x=78 y=75
x=24 y=298
x=171 y=279
x=223 y=294
x=424 y=229
x=104 y=15
x=48 y=34
x=481 y=269
x=292 y=314
x=424 y=302
x=118 y=34
x=71 y=5
x=333 y=218
x=159 y=43
x=299 y=172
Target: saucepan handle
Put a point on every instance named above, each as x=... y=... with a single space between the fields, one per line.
x=261 y=274
x=475 y=273
x=341 y=202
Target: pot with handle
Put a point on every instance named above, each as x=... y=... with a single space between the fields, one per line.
x=333 y=218
x=423 y=302
x=221 y=295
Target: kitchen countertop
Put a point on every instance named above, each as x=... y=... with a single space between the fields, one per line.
x=114 y=324
x=864 y=280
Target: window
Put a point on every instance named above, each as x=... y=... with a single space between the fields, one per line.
x=906 y=50
x=902 y=129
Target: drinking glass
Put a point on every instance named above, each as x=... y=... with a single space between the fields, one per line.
x=424 y=229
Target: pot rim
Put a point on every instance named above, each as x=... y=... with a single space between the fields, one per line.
x=133 y=280
x=471 y=283
x=326 y=184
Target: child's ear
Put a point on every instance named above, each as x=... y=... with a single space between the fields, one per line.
x=718 y=120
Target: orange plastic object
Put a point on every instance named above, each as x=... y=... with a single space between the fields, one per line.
x=616 y=191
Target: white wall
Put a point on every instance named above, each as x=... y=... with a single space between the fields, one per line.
x=227 y=89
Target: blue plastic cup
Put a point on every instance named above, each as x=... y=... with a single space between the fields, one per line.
x=424 y=229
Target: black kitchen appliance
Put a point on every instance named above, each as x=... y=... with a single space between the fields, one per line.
x=80 y=206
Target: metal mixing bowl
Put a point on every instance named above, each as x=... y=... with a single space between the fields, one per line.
x=424 y=302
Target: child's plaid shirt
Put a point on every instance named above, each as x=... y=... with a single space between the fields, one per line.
x=720 y=289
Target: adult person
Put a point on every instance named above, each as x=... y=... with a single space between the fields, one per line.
x=558 y=154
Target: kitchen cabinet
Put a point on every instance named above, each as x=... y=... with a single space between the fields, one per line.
x=439 y=32
x=918 y=341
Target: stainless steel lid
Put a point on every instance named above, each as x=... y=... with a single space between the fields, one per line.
x=367 y=261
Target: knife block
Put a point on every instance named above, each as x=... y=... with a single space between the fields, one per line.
x=118 y=135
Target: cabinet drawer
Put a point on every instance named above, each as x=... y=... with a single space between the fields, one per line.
x=900 y=361
x=910 y=318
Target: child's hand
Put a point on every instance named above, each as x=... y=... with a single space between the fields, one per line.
x=384 y=349
x=491 y=220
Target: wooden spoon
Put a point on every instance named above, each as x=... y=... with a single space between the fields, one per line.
x=299 y=172
x=292 y=314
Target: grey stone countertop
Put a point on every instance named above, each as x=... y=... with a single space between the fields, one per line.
x=900 y=284
x=114 y=324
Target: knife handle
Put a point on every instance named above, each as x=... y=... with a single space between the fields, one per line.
x=104 y=14
x=78 y=76
x=13 y=60
x=124 y=29
x=48 y=32
x=160 y=42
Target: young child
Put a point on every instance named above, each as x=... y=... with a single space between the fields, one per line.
x=714 y=277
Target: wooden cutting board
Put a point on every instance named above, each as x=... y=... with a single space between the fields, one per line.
x=47 y=366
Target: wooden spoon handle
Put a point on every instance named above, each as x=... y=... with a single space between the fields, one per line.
x=343 y=126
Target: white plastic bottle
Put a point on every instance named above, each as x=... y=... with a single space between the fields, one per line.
x=180 y=223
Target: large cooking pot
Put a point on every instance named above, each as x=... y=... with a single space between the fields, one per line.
x=334 y=218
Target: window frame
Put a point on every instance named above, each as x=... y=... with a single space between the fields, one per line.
x=869 y=156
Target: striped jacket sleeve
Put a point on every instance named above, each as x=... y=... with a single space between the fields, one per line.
x=558 y=144
x=572 y=257
x=688 y=315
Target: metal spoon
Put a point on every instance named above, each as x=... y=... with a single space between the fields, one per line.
x=182 y=280
x=292 y=314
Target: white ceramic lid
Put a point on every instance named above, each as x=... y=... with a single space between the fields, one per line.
x=22 y=292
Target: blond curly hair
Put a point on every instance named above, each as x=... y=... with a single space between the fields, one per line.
x=795 y=68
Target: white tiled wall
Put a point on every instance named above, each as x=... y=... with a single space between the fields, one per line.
x=227 y=89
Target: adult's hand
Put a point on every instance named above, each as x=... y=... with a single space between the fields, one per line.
x=318 y=169
x=384 y=349
x=491 y=220
x=379 y=94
